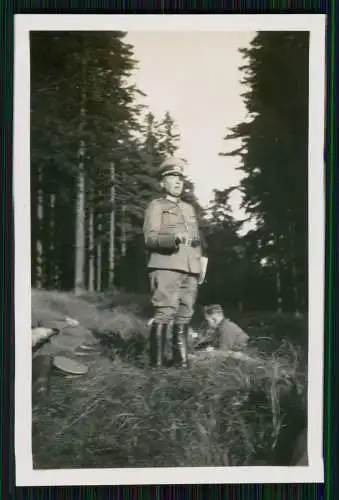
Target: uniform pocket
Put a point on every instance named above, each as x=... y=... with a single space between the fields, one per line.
x=169 y=219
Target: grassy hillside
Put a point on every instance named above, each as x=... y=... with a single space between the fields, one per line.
x=221 y=411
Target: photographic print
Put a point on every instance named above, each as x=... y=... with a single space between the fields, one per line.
x=169 y=230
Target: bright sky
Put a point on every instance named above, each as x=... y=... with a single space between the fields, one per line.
x=195 y=76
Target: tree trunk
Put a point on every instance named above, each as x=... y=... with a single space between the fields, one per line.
x=293 y=270
x=58 y=264
x=91 y=250
x=99 y=259
x=40 y=220
x=52 y=278
x=111 y=249
x=278 y=275
x=80 y=195
x=295 y=287
x=80 y=227
x=278 y=287
x=123 y=230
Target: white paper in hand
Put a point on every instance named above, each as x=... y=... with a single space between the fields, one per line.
x=204 y=262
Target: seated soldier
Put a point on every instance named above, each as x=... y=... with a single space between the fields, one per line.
x=223 y=333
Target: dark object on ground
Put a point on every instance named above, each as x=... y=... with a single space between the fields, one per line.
x=300 y=455
x=41 y=370
x=69 y=366
x=41 y=363
x=109 y=339
x=294 y=420
x=114 y=345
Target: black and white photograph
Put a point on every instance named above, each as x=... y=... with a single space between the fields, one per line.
x=169 y=249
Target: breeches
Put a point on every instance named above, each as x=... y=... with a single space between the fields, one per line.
x=173 y=295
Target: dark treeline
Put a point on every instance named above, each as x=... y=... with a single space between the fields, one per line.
x=95 y=154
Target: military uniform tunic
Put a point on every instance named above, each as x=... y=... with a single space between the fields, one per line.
x=229 y=336
x=174 y=268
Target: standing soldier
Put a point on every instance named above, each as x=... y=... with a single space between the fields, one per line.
x=175 y=264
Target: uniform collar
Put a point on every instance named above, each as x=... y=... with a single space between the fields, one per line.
x=175 y=203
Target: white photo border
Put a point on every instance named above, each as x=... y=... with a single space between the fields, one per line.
x=25 y=474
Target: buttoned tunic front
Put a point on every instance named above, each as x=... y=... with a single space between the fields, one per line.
x=174 y=268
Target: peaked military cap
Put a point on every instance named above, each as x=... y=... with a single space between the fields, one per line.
x=213 y=309
x=171 y=166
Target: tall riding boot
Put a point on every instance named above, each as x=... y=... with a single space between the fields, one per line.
x=157 y=344
x=180 y=345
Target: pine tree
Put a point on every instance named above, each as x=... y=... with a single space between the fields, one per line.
x=274 y=155
x=168 y=137
x=225 y=277
x=58 y=127
x=111 y=256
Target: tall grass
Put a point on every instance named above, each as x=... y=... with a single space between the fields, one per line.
x=219 y=412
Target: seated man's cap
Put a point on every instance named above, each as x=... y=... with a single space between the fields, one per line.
x=171 y=166
x=212 y=309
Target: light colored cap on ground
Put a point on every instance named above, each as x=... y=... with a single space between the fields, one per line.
x=69 y=366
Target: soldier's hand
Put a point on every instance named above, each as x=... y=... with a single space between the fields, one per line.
x=180 y=238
